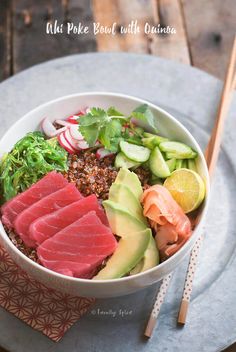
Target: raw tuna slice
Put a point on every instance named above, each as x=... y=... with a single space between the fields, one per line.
x=79 y=248
x=47 y=205
x=48 y=225
x=50 y=183
x=71 y=268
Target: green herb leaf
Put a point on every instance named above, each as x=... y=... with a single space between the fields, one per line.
x=144 y=114
x=96 y=115
x=90 y=133
x=113 y=112
x=110 y=135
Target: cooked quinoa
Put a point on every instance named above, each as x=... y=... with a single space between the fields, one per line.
x=95 y=176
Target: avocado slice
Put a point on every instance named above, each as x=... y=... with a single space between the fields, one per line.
x=122 y=195
x=122 y=223
x=149 y=260
x=129 y=252
x=130 y=180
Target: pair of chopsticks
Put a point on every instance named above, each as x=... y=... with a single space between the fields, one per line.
x=211 y=155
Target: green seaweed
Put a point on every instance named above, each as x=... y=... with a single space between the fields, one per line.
x=30 y=159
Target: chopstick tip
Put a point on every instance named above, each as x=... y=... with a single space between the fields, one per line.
x=150 y=326
x=183 y=312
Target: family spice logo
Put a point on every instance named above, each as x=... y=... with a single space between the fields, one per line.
x=96 y=28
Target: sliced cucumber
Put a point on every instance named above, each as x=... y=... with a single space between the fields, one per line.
x=158 y=164
x=192 y=165
x=185 y=164
x=171 y=155
x=177 y=150
x=179 y=164
x=171 y=164
x=152 y=142
x=161 y=138
x=122 y=161
x=135 y=152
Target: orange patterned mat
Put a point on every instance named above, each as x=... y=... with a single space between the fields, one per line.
x=44 y=309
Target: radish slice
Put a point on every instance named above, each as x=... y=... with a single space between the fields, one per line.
x=75 y=133
x=83 y=145
x=63 y=123
x=60 y=130
x=102 y=152
x=70 y=140
x=65 y=144
x=72 y=119
x=48 y=127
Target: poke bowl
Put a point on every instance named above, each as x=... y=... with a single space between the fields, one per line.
x=100 y=193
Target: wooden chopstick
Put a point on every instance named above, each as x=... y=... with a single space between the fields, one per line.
x=159 y=299
x=211 y=154
x=229 y=85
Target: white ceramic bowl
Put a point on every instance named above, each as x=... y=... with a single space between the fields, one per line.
x=59 y=109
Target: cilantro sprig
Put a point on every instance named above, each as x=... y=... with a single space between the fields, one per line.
x=111 y=126
x=105 y=126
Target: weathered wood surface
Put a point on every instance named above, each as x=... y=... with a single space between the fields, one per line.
x=5 y=39
x=171 y=46
x=121 y=12
x=204 y=30
x=211 y=26
x=32 y=45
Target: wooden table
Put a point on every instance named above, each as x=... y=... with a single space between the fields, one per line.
x=205 y=29
x=204 y=32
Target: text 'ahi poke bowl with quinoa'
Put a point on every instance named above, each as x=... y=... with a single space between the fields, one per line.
x=101 y=194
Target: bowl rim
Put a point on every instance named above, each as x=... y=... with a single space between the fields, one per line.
x=191 y=240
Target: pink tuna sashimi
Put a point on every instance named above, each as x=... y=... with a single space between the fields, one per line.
x=86 y=241
x=50 y=183
x=48 y=204
x=48 y=225
x=71 y=268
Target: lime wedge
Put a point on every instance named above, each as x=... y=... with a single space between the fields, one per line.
x=187 y=188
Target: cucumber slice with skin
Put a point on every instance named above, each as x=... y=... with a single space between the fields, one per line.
x=185 y=164
x=152 y=142
x=160 y=138
x=135 y=152
x=158 y=164
x=122 y=161
x=171 y=164
x=192 y=165
x=177 y=149
x=179 y=164
x=178 y=156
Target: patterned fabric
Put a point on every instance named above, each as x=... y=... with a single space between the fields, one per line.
x=44 y=309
